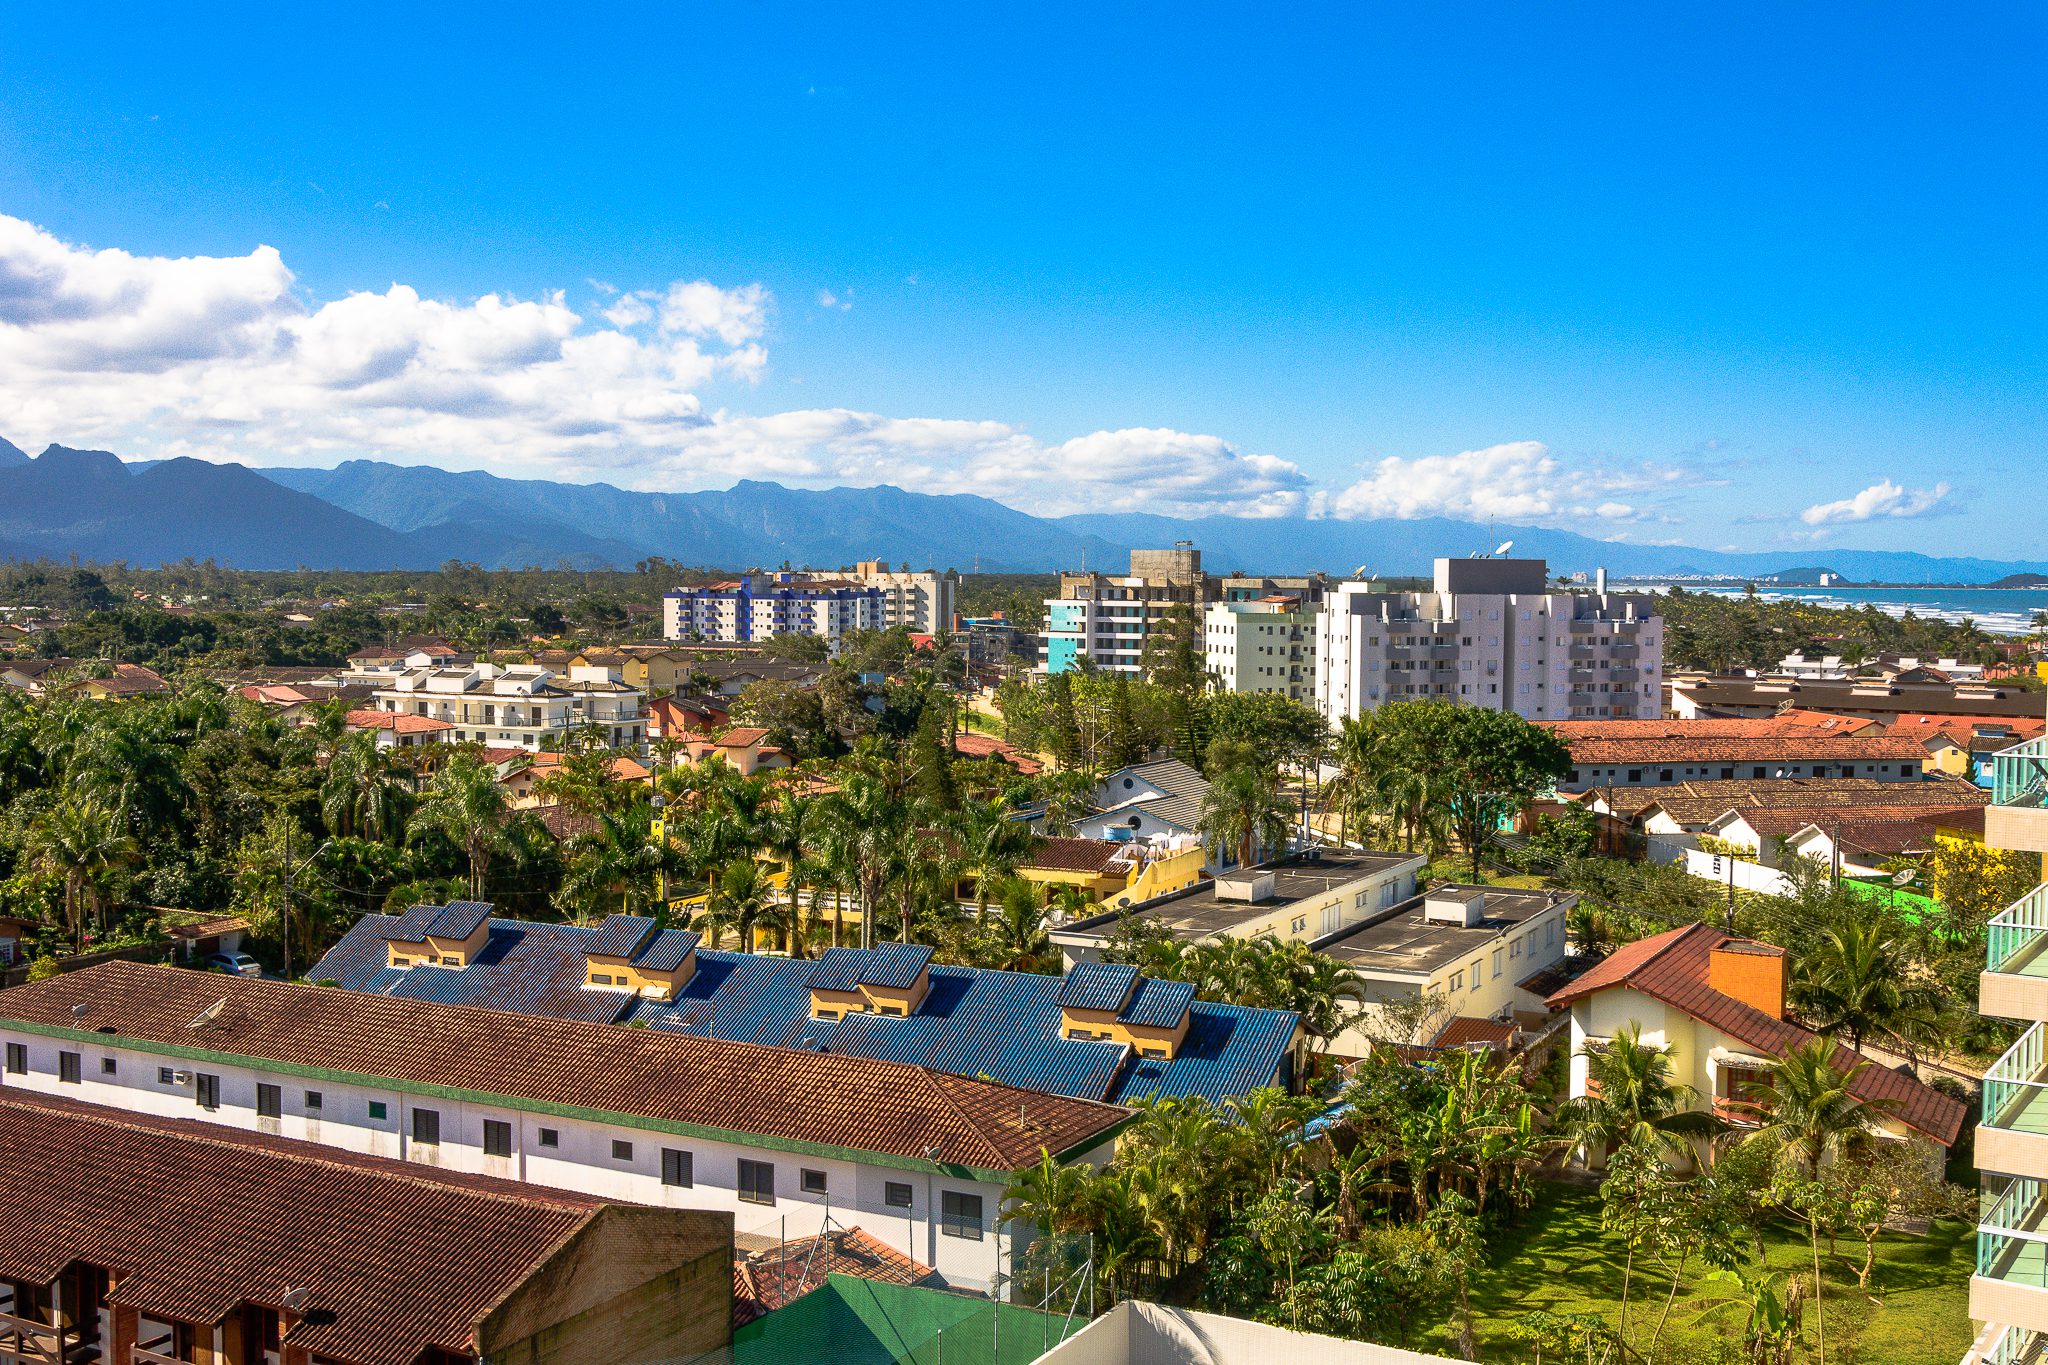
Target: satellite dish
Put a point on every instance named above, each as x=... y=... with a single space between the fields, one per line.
x=1504 y=547
x=295 y=1300
x=1904 y=877
x=80 y=1010
x=209 y=1014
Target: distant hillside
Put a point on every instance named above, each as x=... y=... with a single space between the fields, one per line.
x=368 y=514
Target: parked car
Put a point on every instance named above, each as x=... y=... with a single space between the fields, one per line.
x=234 y=964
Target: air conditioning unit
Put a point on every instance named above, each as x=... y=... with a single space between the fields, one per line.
x=181 y=1077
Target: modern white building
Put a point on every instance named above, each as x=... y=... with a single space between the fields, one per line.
x=1267 y=644
x=920 y=601
x=520 y=706
x=760 y=606
x=1105 y=619
x=781 y=1138
x=1492 y=633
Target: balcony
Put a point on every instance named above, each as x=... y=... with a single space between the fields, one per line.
x=1585 y=652
x=2018 y=815
x=1625 y=650
x=2012 y=1346
x=2014 y=982
x=2013 y=1136
x=2011 y=1283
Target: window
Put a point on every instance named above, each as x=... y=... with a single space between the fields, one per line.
x=426 y=1126
x=1333 y=918
x=960 y=1215
x=497 y=1138
x=269 y=1101
x=313 y=1101
x=377 y=1109
x=1475 y=973
x=812 y=1182
x=108 y=1066
x=621 y=1150
x=67 y=1067
x=207 y=1091
x=1300 y=923
x=1496 y=961
x=1514 y=949
x=600 y=979
x=1457 y=981
x=549 y=1137
x=17 y=1058
x=896 y=1194
x=677 y=1168
x=166 y=1076
x=757 y=1182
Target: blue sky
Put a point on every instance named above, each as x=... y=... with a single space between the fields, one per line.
x=1747 y=276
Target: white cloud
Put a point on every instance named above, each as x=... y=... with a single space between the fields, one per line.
x=1882 y=499
x=222 y=359
x=701 y=309
x=1517 y=481
x=840 y=301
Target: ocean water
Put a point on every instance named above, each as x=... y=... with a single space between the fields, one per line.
x=2001 y=611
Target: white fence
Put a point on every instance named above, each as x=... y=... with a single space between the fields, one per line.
x=1744 y=876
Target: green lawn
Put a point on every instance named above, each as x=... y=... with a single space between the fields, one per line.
x=1558 y=1260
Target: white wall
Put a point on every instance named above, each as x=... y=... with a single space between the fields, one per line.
x=1151 y=1334
x=582 y=1160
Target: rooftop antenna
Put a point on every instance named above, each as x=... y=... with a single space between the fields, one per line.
x=1503 y=548
x=209 y=1014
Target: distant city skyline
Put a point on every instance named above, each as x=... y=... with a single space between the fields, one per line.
x=1746 y=279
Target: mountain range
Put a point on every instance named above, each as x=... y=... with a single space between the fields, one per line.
x=367 y=514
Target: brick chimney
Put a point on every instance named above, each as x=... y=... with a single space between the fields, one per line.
x=1751 y=972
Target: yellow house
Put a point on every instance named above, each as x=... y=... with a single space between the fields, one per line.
x=1716 y=1004
x=448 y=935
x=1111 y=871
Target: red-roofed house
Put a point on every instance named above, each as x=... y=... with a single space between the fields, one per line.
x=968 y=744
x=1716 y=1003
x=397 y=730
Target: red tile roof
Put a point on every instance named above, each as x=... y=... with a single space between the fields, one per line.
x=375 y=1241
x=741 y=737
x=773 y=1279
x=397 y=722
x=1465 y=1031
x=828 y=1100
x=1672 y=968
x=1678 y=742
x=971 y=745
x=1072 y=855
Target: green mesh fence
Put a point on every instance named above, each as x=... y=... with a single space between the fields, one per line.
x=851 y=1321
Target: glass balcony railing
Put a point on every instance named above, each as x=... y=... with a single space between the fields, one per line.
x=2015 y=1091
x=2014 y=938
x=2019 y=775
x=2013 y=1346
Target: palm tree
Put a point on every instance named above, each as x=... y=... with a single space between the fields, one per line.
x=465 y=803
x=739 y=898
x=1856 y=980
x=362 y=795
x=1018 y=934
x=1630 y=1096
x=614 y=864
x=1051 y=1194
x=83 y=843
x=863 y=843
x=1242 y=811
x=1808 y=1113
x=786 y=835
x=992 y=845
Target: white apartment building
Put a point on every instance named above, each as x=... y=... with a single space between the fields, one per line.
x=1264 y=645
x=1106 y=619
x=918 y=601
x=779 y=1137
x=520 y=706
x=2009 y=1292
x=762 y=606
x=1492 y=633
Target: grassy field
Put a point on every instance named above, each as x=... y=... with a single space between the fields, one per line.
x=1558 y=1260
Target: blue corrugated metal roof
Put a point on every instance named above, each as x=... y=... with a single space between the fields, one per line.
x=459 y=919
x=1098 y=986
x=411 y=927
x=666 y=950
x=620 y=935
x=889 y=965
x=1002 y=1025
x=1158 y=1003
